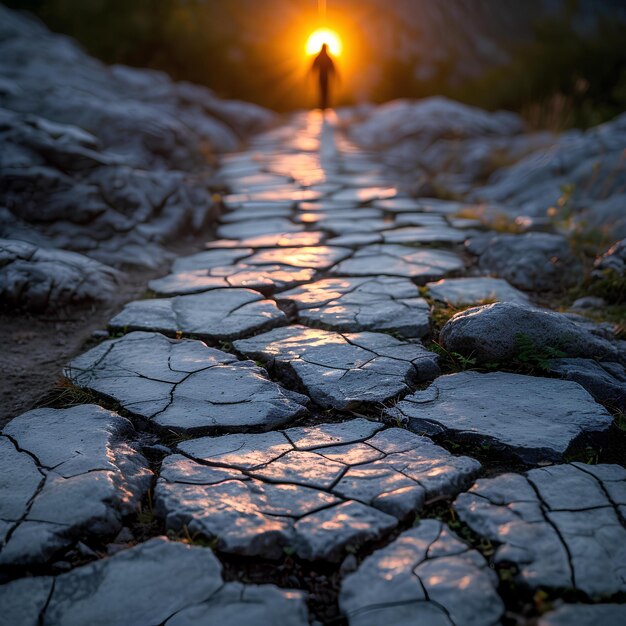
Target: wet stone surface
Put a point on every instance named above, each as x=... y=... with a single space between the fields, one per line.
x=214 y=315
x=530 y=418
x=382 y=304
x=158 y=582
x=183 y=385
x=315 y=490
x=562 y=526
x=342 y=370
x=67 y=475
x=426 y=576
x=397 y=260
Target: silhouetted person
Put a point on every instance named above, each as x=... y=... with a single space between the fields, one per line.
x=325 y=67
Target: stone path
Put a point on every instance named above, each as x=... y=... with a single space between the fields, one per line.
x=345 y=451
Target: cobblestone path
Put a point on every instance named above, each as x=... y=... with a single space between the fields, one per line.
x=277 y=412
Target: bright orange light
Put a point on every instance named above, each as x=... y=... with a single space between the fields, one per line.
x=324 y=36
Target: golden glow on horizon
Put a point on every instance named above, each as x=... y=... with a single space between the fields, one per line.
x=324 y=36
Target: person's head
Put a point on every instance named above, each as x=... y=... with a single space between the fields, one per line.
x=324 y=49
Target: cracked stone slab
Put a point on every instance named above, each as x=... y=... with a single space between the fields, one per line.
x=315 y=490
x=66 y=474
x=157 y=582
x=352 y=225
x=355 y=304
x=183 y=385
x=312 y=257
x=413 y=205
x=252 y=228
x=267 y=279
x=218 y=314
x=278 y=240
x=424 y=234
x=420 y=219
x=256 y=210
x=426 y=576
x=342 y=371
x=364 y=194
x=208 y=259
x=319 y=217
x=398 y=260
x=535 y=419
x=562 y=526
x=585 y=615
x=475 y=290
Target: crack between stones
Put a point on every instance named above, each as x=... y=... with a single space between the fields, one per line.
x=544 y=509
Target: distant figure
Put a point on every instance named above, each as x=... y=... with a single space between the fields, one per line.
x=325 y=67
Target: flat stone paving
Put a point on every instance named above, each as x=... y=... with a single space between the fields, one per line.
x=342 y=370
x=382 y=304
x=562 y=526
x=158 y=582
x=66 y=474
x=183 y=385
x=216 y=315
x=426 y=576
x=316 y=274
x=314 y=490
x=532 y=419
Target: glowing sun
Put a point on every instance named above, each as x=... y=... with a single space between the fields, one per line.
x=324 y=36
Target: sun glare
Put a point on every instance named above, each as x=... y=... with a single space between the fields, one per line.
x=324 y=36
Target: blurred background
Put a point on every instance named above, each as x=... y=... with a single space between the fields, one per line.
x=560 y=63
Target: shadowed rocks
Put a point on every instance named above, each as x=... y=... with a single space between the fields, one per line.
x=214 y=315
x=533 y=261
x=498 y=332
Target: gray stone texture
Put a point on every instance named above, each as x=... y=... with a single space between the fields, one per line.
x=38 y=279
x=403 y=261
x=342 y=370
x=532 y=261
x=220 y=314
x=157 y=582
x=533 y=419
x=562 y=526
x=67 y=474
x=425 y=576
x=384 y=304
x=184 y=386
x=458 y=291
x=316 y=490
x=498 y=333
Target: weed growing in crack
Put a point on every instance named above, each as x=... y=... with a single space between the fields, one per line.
x=528 y=354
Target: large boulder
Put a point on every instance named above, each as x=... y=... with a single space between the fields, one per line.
x=532 y=261
x=505 y=331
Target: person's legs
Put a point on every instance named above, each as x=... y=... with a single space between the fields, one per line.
x=323 y=92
